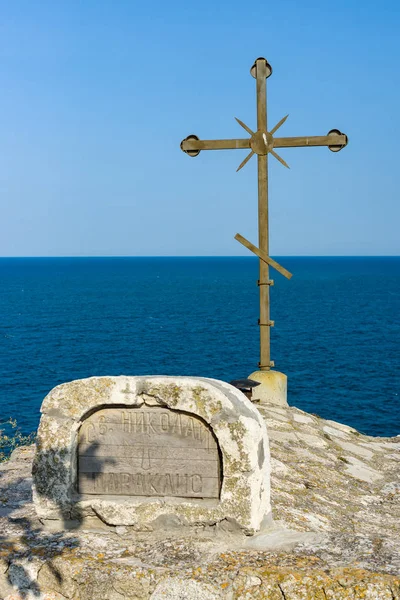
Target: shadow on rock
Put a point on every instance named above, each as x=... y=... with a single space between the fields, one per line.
x=25 y=544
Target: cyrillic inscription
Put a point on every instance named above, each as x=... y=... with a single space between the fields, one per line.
x=147 y=451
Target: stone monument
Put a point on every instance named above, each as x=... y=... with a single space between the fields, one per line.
x=146 y=452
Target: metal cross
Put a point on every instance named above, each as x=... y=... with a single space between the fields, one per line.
x=262 y=142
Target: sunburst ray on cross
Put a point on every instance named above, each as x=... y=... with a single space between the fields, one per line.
x=263 y=141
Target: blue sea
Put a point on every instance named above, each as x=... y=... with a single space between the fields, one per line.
x=336 y=334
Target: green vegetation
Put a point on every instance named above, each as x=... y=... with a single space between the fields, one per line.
x=11 y=438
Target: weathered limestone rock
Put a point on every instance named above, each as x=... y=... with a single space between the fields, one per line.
x=149 y=451
x=335 y=535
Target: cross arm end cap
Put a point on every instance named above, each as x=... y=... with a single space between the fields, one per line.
x=337 y=147
x=189 y=151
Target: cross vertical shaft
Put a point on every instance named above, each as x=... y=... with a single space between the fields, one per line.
x=262 y=142
x=263 y=238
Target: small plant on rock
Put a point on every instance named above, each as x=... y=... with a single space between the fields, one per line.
x=11 y=438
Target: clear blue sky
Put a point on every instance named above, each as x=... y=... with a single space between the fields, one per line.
x=97 y=95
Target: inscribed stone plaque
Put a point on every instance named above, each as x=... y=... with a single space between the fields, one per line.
x=147 y=451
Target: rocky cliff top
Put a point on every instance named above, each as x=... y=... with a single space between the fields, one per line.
x=336 y=532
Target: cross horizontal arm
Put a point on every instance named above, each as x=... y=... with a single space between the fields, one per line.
x=316 y=140
x=193 y=144
x=264 y=256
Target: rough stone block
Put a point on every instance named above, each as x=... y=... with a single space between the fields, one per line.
x=132 y=451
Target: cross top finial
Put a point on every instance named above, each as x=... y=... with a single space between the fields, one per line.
x=268 y=68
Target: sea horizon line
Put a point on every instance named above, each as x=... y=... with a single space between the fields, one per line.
x=196 y=256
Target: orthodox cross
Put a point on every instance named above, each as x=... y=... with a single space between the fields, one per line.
x=262 y=142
